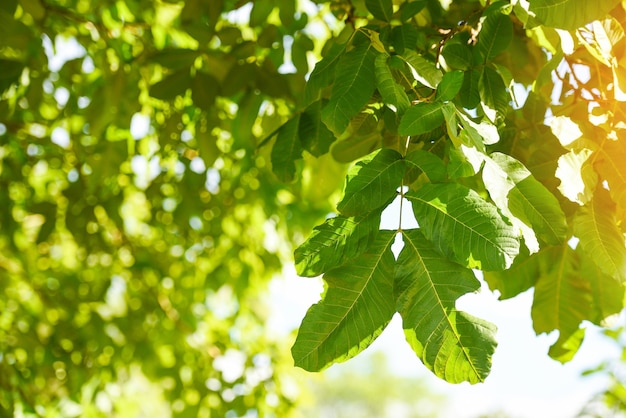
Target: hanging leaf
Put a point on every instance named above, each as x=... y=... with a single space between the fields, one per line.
x=562 y=297
x=530 y=201
x=287 y=150
x=428 y=163
x=577 y=178
x=470 y=91
x=357 y=306
x=421 y=118
x=354 y=84
x=393 y=94
x=456 y=346
x=372 y=182
x=175 y=84
x=609 y=162
x=457 y=56
x=324 y=71
x=495 y=98
x=450 y=85
x=606 y=292
x=464 y=226
x=381 y=9
x=404 y=37
x=564 y=349
x=600 y=238
x=521 y=276
x=314 y=135
x=424 y=71
x=495 y=35
x=570 y=14
x=336 y=242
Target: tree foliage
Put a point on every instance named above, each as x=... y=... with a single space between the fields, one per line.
x=161 y=159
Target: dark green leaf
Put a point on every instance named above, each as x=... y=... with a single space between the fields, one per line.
x=354 y=85
x=173 y=85
x=324 y=72
x=287 y=150
x=175 y=59
x=404 y=37
x=495 y=98
x=314 y=135
x=381 y=9
x=410 y=9
x=456 y=346
x=470 y=93
x=204 y=90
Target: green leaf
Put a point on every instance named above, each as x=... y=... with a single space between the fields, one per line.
x=521 y=276
x=175 y=59
x=450 y=85
x=495 y=35
x=324 y=72
x=562 y=297
x=606 y=292
x=393 y=94
x=314 y=135
x=175 y=84
x=424 y=71
x=570 y=14
x=336 y=242
x=465 y=227
x=404 y=37
x=421 y=118
x=410 y=9
x=354 y=84
x=495 y=98
x=457 y=56
x=364 y=138
x=381 y=9
x=247 y=114
x=530 y=201
x=600 y=237
x=456 y=346
x=372 y=182
x=204 y=90
x=357 y=306
x=470 y=93
x=287 y=150
x=609 y=162
x=564 y=349
x=428 y=163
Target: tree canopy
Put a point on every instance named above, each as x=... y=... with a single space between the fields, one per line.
x=162 y=160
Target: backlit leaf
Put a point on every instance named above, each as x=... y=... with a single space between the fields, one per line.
x=421 y=118
x=456 y=346
x=530 y=201
x=495 y=98
x=336 y=242
x=465 y=227
x=609 y=162
x=428 y=163
x=562 y=297
x=570 y=14
x=424 y=71
x=600 y=237
x=357 y=306
x=372 y=182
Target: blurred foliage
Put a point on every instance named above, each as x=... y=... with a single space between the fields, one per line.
x=139 y=221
